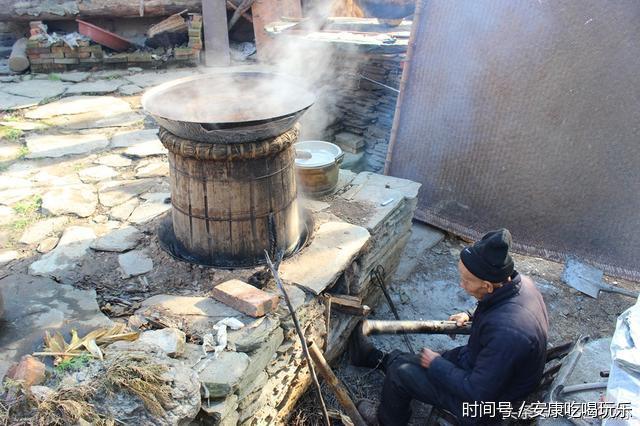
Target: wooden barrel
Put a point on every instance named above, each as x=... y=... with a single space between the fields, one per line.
x=230 y=202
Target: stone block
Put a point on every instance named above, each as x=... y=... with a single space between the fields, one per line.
x=261 y=357
x=171 y=340
x=251 y=336
x=222 y=376
x=218 y=410
x=334 y=246
x=245 y=298
x=66 y=61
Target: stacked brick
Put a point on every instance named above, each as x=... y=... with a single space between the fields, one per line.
x=192 y=51
x=47 y=56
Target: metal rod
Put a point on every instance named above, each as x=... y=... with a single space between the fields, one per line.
x=303 y=342
x=378 y=274
x=582 y=387
x=342 y=395
x=370 y=327
x=378 y=83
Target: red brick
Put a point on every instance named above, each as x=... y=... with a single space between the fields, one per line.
x=29 y=370
x=245 y=298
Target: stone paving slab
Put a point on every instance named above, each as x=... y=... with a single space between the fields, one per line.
x=114 y=160
x=120 y=240
x=148 y=210
x=37 y=89
x=11 y=196
x=135 y=263
x=78 y=105
x=152 y=79
x=33 y=305
x=80 y=200
x=53 y=146
x=139 y=143
x=334 y=245
x=113 y=193
x=74 y=77
x=97 y=173
x=10 y=102
x=40 y=230
x=99 y=87
x=72 y=247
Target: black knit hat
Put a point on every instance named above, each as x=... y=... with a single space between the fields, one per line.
x=488 y=259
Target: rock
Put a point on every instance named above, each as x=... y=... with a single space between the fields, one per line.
x=73 y=245
x=139 y=143
x=80 y=200
x=86 y=112
x=100 y=87
x=221 y=376
x=29 y=371
x=245 y=298
x=120 y=240
x=7 y=215
x=40 y=393
x=74 y=77
x=129 y=90
x=44 y=178
x=134 y=263
x=183 y=383
x=14 y=182
x=97 y=173
x=37 y=89
x=33 y=305
x=9 y=102
x=54 y=146
x=135 y=69
x=171 y=340
x=251 y=336
x=148 y=210
x=123 y=211
x=334 y=246
x=153 y=169
x=423 y=237
x=157 y=197
x=7 y=256
x=48 y=244
x=218 y=410
x=232 y=419
x=194 y=315
x=117 y=192
x=9 y=150
x=114 y=160
x=40 y=230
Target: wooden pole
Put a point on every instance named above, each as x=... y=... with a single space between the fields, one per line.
x=216 y=33
x=303 y=342
x=370 y=327
x=18 y=60
x=336 y=385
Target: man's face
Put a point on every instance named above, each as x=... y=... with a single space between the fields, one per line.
x=473 y=285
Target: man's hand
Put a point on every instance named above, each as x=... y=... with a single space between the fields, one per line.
x=461 y=318
x=427 y=356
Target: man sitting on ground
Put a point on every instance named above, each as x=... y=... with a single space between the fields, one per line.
x=502 y=361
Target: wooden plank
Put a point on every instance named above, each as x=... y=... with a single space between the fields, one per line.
x=216 y=33
x=267 y=11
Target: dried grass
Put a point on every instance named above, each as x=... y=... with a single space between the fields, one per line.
x=69 y=406
x=140 y=376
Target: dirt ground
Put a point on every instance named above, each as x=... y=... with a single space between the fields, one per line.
x=431 y=291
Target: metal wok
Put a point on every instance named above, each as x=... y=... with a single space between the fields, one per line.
x=232 y=107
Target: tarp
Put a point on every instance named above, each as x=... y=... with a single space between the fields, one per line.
x=526 y=115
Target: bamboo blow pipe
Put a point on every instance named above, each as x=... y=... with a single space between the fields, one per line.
x=370 y=327
x=336 y=385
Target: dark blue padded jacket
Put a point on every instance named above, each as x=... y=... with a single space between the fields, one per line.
x=505 y=355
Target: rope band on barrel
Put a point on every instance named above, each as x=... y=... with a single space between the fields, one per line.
x=228 y=152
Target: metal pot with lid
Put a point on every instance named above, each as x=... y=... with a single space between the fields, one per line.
x=317 y=167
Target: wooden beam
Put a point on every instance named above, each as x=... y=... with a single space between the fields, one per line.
x=266 y=11
x=216 y=33
x=11 y=10
x=349 y=305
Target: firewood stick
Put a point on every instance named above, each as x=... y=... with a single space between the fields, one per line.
x=370 y=327
x=303 y=342
x=336 y=385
